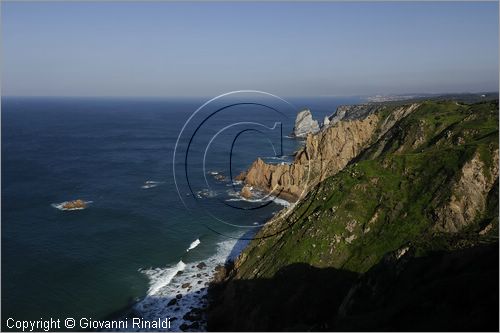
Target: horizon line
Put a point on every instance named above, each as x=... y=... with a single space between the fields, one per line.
x=423 y=94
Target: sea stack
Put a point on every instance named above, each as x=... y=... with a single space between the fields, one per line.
x=75 y=204
x=305 y=124
x=246 y=192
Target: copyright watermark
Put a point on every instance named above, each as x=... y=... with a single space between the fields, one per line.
x=53 y=324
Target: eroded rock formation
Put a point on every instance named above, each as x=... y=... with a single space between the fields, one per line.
x=324 y=153
x=305 y=124
x=469 y=194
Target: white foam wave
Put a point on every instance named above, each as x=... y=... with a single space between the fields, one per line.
x=150 y=184
x=206 y=193
x=276 y=200
x=194 y=244
x=235 y=183
x=175 y=291
x=281 y=202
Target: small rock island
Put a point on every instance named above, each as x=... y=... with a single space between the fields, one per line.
x=305 y=124
x=75 y=204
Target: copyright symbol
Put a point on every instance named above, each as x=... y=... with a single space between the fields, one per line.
x=69 y=323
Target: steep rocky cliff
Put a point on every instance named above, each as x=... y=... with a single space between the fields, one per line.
x=350 y=131
x=398 y=228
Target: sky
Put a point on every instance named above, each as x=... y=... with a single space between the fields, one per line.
x=285 y=48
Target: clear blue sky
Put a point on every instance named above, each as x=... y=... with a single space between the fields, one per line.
x=291 y=49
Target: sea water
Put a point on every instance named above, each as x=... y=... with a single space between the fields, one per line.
x=125 y=250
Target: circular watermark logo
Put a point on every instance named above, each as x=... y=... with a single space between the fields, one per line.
x=222 y=139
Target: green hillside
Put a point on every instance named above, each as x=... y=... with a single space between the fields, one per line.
x=428 y=186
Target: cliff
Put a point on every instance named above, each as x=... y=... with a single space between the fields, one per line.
x=305 y=124
x=350 y=131
x=398 y=228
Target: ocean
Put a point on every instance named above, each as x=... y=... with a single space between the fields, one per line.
x=142 y=226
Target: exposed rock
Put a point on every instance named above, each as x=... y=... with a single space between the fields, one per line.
x=75 y=204
x=186 y=285
x=305 y=124
x=486 y=229
x=201 y=265
x=172 y=302
x=324 y=154
x=220 y=273
x=350 y=238
x=350 y=226
x=469 y=195
x=241 y=176
x=219 y=177
x=401 y=252
x=246 y=192
x=339 y=115
x=193 y=315
x=351 y=112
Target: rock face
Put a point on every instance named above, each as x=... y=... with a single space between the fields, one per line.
x=351 y=112
x=324 y=153
x=398 y=229
x=469 y=196
x=305 y=124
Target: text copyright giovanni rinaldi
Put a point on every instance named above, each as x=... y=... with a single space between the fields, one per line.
x=86 y=323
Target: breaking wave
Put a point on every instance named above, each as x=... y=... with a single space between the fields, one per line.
x=194 y=244
x=176 y=290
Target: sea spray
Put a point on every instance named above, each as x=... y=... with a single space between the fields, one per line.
x=162 y=277
x=176 y=290
x=194 y=244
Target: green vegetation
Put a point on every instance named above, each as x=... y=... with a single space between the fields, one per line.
x=386 y=199
x=389 y=203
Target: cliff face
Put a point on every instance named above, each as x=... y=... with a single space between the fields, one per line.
x=305 y=124
x=469 y=194
x=350 y=131
x=399 y=193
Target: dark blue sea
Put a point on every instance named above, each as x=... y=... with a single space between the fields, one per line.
x=142 y=225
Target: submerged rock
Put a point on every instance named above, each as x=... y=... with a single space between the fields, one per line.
x=246 y=192
x=326 y=121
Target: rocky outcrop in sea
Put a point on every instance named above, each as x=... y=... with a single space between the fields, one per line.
x=305 y=124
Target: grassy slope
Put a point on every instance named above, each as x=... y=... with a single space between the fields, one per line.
x=386 y=198
x=379 y=204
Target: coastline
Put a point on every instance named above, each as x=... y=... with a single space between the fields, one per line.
x=346 y=249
